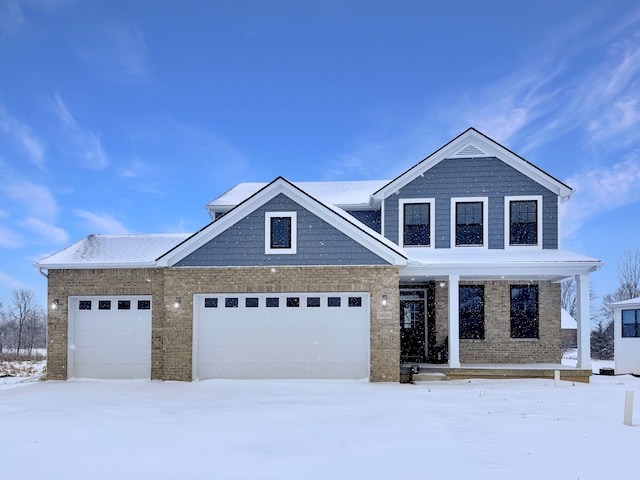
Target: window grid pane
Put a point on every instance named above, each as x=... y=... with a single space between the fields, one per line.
x=630 y=323
x=471 y=301
x=416 y=224
x=469 y=229
x=524 y=311
x=524 y=222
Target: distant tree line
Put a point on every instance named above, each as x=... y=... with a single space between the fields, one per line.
x=22 y=324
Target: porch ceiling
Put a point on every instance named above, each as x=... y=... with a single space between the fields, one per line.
x=477 y=264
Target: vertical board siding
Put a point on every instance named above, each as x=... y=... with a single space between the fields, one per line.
x=473 y=177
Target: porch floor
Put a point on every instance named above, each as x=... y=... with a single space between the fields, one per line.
x=430 y=371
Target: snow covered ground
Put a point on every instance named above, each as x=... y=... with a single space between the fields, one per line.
x=506 y=429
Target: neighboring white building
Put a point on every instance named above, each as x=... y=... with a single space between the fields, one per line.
x=626 y=323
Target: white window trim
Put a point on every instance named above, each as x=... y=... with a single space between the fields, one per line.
x=267 y=233
x=507 y=222
x=401 y=204
x=485 y=221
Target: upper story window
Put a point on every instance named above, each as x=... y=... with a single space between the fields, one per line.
x=469 y=228
x=523 y=221
x=524 y=311
x=630 y=323
x=416 y=222
x=280 y=232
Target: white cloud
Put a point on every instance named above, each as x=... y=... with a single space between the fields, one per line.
x=10 y=239
x=11 y=17
x=101 y=222
x=601 y=190
x=8 y=280
x=84 y=143
x=116 y=52
x=22 y=134
x=35 y=199
x=47 y=232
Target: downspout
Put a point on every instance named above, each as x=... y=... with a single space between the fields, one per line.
x=42 y=273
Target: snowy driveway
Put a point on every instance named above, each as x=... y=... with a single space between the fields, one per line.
x=318 y=430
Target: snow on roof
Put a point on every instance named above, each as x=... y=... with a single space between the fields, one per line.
x=346 y=194
x=567 y=321
x=633 y=301
x=113 y=250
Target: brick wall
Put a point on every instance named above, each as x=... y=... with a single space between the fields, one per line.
x=498 y=346
x=173 y=329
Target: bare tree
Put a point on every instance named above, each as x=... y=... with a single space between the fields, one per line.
x=628 y=288
x=628 y=282
x=22 y=311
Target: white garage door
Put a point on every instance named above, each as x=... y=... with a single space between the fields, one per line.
x=110 y=337
x=310 y=335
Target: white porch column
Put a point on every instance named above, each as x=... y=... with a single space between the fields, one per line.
x=584 y=321
x=454 y=321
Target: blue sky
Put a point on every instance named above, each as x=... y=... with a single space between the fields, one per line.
x=129 y=116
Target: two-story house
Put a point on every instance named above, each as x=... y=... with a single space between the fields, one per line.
x=454 y=266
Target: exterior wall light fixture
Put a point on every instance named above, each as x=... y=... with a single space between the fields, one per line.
x=177 y=303
x=55 y=304
x=385 y=301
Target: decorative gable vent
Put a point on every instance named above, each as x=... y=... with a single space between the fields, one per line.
x=470 y=150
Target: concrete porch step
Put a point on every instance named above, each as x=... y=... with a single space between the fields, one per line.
x=429 y=377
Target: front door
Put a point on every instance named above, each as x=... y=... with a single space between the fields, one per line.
x=412 y=327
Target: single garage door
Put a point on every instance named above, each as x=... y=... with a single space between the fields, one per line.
x=305 y=335
x=110 y=337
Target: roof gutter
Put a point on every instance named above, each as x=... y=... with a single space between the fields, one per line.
x=45 y=275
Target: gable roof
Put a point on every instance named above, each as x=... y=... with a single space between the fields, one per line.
x=474 y=144
x=113 y=251
x=333 y=215
x=351 y=194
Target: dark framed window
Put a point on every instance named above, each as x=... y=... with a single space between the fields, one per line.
x=231 y=302
x=523 y=222
x=272 y=302
x=84 y=305
x=469 y=223
x=280 y=232
x=417 y=221
x=211 y=302
x=333 y=301
x=124 y=305
x=355 y=301
x=313 y=301
x=524 y=311
x=293 y=302
x=471 y=301
x=251 y=302
x=104 y=304
x=630 y=323
x=144 y=304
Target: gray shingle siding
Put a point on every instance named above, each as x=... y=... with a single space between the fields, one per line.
x=473 y=177
x=319 y=243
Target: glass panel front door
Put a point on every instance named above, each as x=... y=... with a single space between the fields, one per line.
x=412 y=331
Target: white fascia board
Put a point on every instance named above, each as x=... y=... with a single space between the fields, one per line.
x=85 y=266
x=332 y=215
x=490 y=149
x=548 y=270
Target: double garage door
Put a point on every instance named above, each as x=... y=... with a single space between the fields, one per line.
x=306 y=335
x=109 y=337
x=310 y=335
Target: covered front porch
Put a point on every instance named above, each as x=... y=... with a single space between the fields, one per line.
x=492 y=314
x=431 y=372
